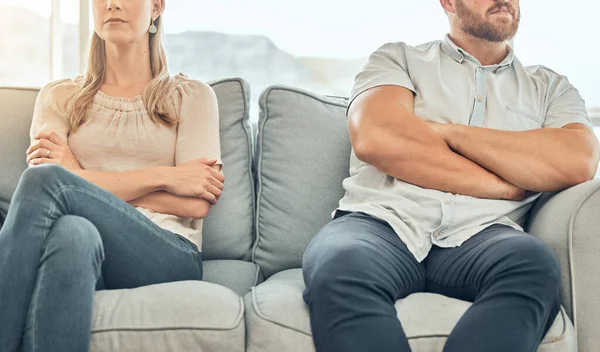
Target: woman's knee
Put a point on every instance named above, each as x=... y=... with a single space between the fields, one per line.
x=76 y=236
x=41 y=173
x=41 y=177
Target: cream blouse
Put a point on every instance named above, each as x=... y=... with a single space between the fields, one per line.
x=117 y=134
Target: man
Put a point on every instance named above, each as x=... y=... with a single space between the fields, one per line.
x=452 y=142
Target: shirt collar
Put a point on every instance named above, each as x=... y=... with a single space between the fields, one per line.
x=459 y=55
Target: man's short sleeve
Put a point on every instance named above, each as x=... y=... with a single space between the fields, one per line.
x=386 y=66
x=565 y=105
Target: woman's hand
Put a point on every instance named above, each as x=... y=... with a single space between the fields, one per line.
x=50 y=149
x=197 y=178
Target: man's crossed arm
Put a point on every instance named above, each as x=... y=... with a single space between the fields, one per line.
x=465 y=160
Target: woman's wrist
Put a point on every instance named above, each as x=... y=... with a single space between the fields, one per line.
x=160 y=178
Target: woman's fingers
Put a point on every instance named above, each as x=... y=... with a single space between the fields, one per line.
x=209 y=197
x=51 y=136
x=42 y=143
x=216 y=183
x=214 y=191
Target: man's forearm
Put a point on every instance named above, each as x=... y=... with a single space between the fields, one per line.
x=543 y=160
x=387 y=134
x=167 y=203
x=430 y=163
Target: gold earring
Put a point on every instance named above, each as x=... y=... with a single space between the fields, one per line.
x=152 y=28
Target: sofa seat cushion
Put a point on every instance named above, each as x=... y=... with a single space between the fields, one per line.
x=237 y=275
x=277 y=319
x=179 y=316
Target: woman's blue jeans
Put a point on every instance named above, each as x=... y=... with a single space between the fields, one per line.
x=63 y=239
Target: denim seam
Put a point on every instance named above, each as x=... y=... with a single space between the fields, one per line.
x=116 y=206
x=547 y=316
x=34 y=308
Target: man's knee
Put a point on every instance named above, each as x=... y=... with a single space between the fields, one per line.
x=534 y=258
x=327 y=268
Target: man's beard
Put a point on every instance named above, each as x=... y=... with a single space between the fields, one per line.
x=480 y=27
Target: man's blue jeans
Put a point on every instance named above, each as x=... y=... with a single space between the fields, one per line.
x=357 y=267
x=64 y=238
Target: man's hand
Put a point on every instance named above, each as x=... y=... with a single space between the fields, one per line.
x=50 y=149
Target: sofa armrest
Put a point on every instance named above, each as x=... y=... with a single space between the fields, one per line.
x=569 y=222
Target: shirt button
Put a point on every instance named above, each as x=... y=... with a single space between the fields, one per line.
x=446 y=202
x=480 y=69
x=436 y=234
x=480 y=98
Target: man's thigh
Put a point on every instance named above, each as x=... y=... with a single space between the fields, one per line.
x=359 y=248
x=495 y=253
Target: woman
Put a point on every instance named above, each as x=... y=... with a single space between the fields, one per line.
x=124 y=136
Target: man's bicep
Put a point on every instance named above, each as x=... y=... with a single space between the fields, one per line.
x=382 y=101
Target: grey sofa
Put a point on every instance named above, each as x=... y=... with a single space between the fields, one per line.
x=284 y=178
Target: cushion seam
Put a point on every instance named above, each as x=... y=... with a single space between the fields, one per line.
x=305 y=93
x=257 y=268
x=570 y=232
x=259 y=314
x=562 y=334
x=236 y=323
x=27 y=89
x=259 y=186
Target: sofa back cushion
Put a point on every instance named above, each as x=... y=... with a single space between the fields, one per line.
x=302 y=157
x=228 y=229
x=16 y=111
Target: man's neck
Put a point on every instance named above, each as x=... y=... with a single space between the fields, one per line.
x=128 y=65
x=486 y=52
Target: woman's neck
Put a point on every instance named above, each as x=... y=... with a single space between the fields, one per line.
x=128 y=66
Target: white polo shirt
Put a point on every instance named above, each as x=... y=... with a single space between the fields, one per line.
x=451 y=86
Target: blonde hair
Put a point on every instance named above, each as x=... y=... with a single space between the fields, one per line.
x=155 y=94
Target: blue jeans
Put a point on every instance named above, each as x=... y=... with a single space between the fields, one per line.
x=63 y=239
x=357 y=267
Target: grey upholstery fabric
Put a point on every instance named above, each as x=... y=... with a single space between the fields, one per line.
x=568 y=222
x=237 y=275
x=302 y=157
x=182 y=316
x=229 y=228
x=277 y=319
x=16 y=111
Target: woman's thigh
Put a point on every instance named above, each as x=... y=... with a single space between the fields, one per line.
x=137 y=252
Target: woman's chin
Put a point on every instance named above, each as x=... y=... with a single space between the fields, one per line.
x=118 y=37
